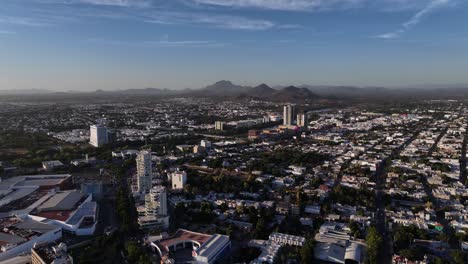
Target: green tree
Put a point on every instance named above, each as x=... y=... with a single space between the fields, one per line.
x=374 y=243
x=136 y=254
x=459 y=257
x=413 y=254
x=260 y=229
x=307 y=251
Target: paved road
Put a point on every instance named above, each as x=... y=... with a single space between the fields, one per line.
x=386 y=252
x=463 y=160
x=107 y=215
x=428 y=189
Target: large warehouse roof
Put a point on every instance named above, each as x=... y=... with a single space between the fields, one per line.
x=65 y=200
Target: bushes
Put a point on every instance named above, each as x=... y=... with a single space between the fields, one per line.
x=351 y=196
x=103 y=250
x=135 y=254
x=405 y=235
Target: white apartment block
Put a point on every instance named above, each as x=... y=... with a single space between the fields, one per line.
x=144 y=171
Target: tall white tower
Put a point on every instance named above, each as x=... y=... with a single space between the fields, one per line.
x=144 y=171
x=302 y=119
x=288 y=114
x=98 y=135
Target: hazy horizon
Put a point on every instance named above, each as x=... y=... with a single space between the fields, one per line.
x=416 y=86
x=87 y=45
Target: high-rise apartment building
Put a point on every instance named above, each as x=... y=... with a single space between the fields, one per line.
x=156 y=201
x=288 y=114
x=155 y=214
x=302 y=119
x=98 y=135
x=144 y=171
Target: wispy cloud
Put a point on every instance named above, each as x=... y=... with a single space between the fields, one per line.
x=314 y=5
x=186 y=43
x=285 y=5
x=164 y=42
x=119 y=3
x=416 y=18
x=171 y=12
x=23 y=21
x=391 y=35
x=234 y=22
x=152 y=11
x=220 y=21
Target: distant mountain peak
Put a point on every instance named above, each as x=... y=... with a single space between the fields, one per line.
x=263 y=85
x=223 y=82
x=261 y=90
x=293 y=93
x=224 y=88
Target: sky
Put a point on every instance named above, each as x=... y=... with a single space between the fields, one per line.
x=85 y=45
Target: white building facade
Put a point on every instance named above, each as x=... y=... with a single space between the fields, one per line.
x=144 y=171
x=155 y=215
x=178 y=179
x=302 y=119
x=98 y=135
x=288 y=114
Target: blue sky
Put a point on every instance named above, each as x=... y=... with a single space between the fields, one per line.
x=121 y=44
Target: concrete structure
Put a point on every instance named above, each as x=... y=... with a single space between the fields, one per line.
x=178 y=179
x=51 y=165
x=269 y=251
x=206 y=249
x=128 y=153
x=271 y=247
x=213 y=249
x=206 y=144
x=285 y=239
x=144 y=171
x=219 y=125
x=96 y=189
x=71 y=210
x=302 y=119
x=19 y=236
x=98 y=135
x=335 y=244
x=46 y=254
x=21 y=194
x=155 y=212
x=339 y=253
x=288 y=114
x=198 y=149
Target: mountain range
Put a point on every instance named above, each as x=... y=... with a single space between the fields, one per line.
x=279 y=93
x=262 y=91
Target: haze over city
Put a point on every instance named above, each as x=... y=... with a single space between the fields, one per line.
x=85 y=45
x=233 y=132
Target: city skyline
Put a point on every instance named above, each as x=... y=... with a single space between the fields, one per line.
x=86 y=45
